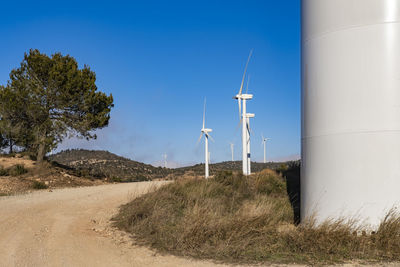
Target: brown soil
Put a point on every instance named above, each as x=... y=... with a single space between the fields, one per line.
x=50 y=176
x=70 y=227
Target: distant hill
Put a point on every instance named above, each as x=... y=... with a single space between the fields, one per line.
x=198 y=169
x=103 y=164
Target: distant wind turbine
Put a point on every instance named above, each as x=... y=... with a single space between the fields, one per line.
x=232 y=145
x=165 y=160
x=205 y=131
x=263 y=143
x=245 y=120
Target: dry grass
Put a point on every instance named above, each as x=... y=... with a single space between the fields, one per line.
x=233 y=218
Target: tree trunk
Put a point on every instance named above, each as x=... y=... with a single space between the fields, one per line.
x=11 y=143
x=11 y=147
x=42 y=148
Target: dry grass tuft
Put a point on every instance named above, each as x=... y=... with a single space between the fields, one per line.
x=240 y=219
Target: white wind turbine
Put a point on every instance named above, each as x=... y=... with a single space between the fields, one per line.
x=245 y=120
x=165 y=160
x=263 y=143
x=206 y=132
x=232 y=145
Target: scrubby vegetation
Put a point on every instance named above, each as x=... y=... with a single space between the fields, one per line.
x=16 y=170
x=240 y=219
x=19 y=174
x=3 y=172
x=39 y=185
x=215 y=168
x=103 y=164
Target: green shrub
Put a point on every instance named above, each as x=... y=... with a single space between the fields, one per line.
x=39 y=185
x=18 y=170
x=115 y=179
x=3 y=172
x=270 y=184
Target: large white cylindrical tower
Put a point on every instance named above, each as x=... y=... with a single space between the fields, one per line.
x=350 y=109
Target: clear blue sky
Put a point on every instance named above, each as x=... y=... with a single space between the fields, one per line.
x=160 y=59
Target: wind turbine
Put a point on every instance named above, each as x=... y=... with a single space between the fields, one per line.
x=232 y=145
x=245 y=120
x=263 y=143
x=205 y=131
x=165 y=160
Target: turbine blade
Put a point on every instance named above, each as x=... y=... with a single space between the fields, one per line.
x=239 y=125
x=245 y=70
x=198 y=141
x=204 y=113
x=250 y=131
x=240 y=109
x=247 y=86
x=212 y=139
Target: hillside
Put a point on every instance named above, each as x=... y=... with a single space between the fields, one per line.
x=198 y=169
x=229 y=165
x=103 y=164
x=21 y=174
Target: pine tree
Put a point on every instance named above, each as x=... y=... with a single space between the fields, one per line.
x=58 y=99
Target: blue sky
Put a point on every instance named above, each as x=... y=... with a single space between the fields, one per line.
x=160 y=59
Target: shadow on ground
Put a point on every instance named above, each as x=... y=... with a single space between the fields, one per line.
x=292 y=176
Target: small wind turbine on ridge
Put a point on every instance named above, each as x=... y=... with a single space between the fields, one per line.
x=232 y=145
x=263 y=143
x=165 y=160
x=205 y=131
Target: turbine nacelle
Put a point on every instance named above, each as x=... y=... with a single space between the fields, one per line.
x=206 y=130
x=243 y=96
x=250 y=115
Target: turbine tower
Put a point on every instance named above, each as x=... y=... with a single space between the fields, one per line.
x=248 y=130
x=245 y=120
x=205 y=131
x=263 y=143
x=232 y=145
x=350 y=110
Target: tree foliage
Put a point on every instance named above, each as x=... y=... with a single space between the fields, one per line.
x=15 y=127
x=48 y=99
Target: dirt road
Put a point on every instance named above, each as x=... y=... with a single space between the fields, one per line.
x=70 y=227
